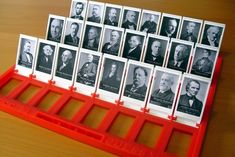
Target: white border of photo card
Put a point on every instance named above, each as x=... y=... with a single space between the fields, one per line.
x=210 y=23
x=137 y=33
x=150 y=12
x=40 y=75
x=23 y=69
x=79 y=33
x=72 y=8
x=60 y=80
x=138 y=10
x=49 y=24
x=107 y=27
x=215 y=50
x=187 y=118
x=161 y=110
x=170 y=16
x=197 y=22
x=106 y=94
x=132 y=101
x=116 y=7
x=156 y=37
x=181 y=42
x=84 y=37
x=82 y=87
x=89 y=11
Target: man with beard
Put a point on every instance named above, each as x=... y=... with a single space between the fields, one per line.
x=95 y=17
x=79 y=6
x=111 y=20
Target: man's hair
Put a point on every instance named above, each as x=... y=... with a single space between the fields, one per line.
x=145 y=71
x=211 y=28
x=70 y=56
x=184 y=49
x=74 y=23
x=208 y=51
x=79 y=3
x=189 y=83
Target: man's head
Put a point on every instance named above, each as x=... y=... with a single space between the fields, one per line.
x=47 y=50
x=166 y=82
x=130 y=16
x=74 y=27
x=151 y=17
x=156 y=47
x=212 y=33
x=139 y=76
x=56 y=28
x=112 y=14
x=181 y=52
x=206 y=53
x=114 y=37
x=192 y=87
x=90 y=58
x=113 y=67
x=92 y=33
x=190 y=27
x=79 y=8
x=66 y=56
x=171 y=26
x=96 y=10
x=134 y=41
x=27 y=46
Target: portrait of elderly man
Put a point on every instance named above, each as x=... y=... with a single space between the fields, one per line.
x=78 y=9
x=95 y=14
x=26 y=57
x=111 y=19
x=138 y=88
x=113 y=46
x=91 y=40
x=55 y=30
x=150 y=24
x=180 y=58
x=163 y=95
x=72 y=38
x=169 y=27
x=189 y=33
x=130 y=21
x=212 y=36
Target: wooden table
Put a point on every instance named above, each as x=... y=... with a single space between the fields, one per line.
x=20 y=138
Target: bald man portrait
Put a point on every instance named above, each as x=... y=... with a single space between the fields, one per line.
x=169 y=27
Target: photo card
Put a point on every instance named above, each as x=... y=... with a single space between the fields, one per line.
x=149 y=22
x=192 y=99
x=95 y=12
x=133 y=45
x=73 y=32
x=136 y=84
x=170 y=25
x=112 y=40
x=65 y=65
x=92 y=36
x=212 y=34
x=163 y=91
x=45 y=60
x=55 y=28
x=190 y=29
x=87 y=71
x=111 y=78
x=204 y=60
x=179 y=54
x=78 y=9
x=130 y=18
x=25 y=54
x=156 y=49
x=112 y=14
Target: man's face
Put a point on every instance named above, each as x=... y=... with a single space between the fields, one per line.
x=91 y=34
x=213 y=34
x=47 y=50
x=27 y=47
x=139 y=77
x=205 y=53
x=178 y=55
x=131 y=16
x=96 y=10
x=190 y=27
x=114 y=36
x=74 y=30
x=113 y=68
x=133 y=42
x=79 y=9
x=89 y=58
x=171 y=27
x=151 y=17
x=112 y=14
x=56 y=28
x=156 y=47
x=165 y=83
x=66 y=56
x=193 y=89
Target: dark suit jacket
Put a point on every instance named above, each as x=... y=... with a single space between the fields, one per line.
x=66 y=72
x=206 y=42
x=79 y=17
x=112 y=50
x=69 y=40
x=203 y=67
x=108 y=22
x=54 y=39
x=149 y=58
x=162 y=99
x=184 y=105
x=134 y=54
x=127 y=25
x=139 y=94
x=94 y=19
x=163 y=33
x=44 y=64
x=111 y=84
x=87 y=74
x=150 y=26
x=23 y=60
x=182 y=67
x=94 y=47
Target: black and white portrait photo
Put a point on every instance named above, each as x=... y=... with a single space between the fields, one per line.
x=72 y=33
x=155 y=53
x=133 y=45
x=112 y=14
x=87 y=68
x=192 y=96
x=112 y=40
x=45 y=57
x=55 y=28
x=190 y=29
x=112 y=75
x=65 y=62
x=212 y=34
x=149 y=21
x=130 y=18
x=92 y=36
x=95 y=12
x=78 y=9
x=179 y=55
x=170 y=25
x=204 y=60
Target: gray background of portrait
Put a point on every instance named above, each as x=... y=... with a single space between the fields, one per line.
x=107 y=13
x=199 y=53
x=163 y=44
x=196 y=30
x=83 y=59
x=67 y=28
x=107 y=33
x=84 y=9
x=204 y=34
x=145 y=18
x=136 y=17
x=89 y=12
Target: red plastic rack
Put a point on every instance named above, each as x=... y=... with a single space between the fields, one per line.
x=100 y=136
